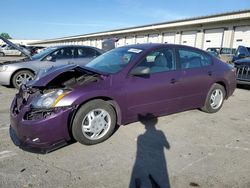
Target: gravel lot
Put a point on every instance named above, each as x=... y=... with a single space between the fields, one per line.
x=194 y=149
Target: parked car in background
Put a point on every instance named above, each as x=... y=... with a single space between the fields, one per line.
x=241 y=52
x=214 y=53
x=8 y=50
x=86 y=103
x=243 y=71
x=35 y=49
x=224 y=54
x=19 y=72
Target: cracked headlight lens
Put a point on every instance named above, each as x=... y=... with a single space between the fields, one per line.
x=49 y=100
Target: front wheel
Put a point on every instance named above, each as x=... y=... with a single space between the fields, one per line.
x=2 y=54
x=215 y=99
x=94 y=122
x=22 y=77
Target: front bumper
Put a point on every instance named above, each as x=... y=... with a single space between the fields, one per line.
x=40 y=135
x=243 y=82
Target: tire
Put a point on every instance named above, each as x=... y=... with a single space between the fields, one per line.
x=2 y=54
x=215 y=99
x=103 y=118
x=26 y=75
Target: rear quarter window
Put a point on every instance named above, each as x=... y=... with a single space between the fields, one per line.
x=193 y=59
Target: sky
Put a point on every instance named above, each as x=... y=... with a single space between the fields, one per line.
x=48 y=19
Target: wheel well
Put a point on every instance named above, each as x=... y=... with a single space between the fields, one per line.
x=109 y=100
x=24 y=69
x=224 y=85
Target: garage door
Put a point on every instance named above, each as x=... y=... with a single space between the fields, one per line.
x=169 y=38
x=121 y=42
x=141 y=39
x=241 y=36
x=188 y=38
x=153 y=38
x=213 y=38
x=129 y=40
x=93 y=43
x=99 y=43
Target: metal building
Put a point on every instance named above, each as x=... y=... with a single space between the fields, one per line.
x=221 y=30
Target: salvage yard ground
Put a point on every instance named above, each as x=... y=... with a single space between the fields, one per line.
x=201 y=150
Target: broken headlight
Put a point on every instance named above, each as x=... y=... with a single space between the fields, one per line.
x=49 y=100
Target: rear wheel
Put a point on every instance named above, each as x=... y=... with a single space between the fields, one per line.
x=2 y=54
x=94 y=122
x=22 y=77
x=215 y=99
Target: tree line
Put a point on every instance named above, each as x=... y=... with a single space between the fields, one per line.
x=5 y=35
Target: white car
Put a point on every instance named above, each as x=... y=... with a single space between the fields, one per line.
x=9 y=50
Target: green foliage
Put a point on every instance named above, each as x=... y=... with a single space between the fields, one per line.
x=5 y=35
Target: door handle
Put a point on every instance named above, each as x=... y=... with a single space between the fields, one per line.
x=173 y=81
x=210 y=73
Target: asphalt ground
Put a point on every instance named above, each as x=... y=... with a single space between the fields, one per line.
x=190 y=149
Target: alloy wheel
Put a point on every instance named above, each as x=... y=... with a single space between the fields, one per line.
x=216 y=98
x=96 y=124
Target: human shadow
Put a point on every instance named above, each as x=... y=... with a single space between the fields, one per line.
x=150 y=167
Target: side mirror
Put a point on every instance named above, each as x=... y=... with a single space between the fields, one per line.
x=140 y=71
x=50 y=58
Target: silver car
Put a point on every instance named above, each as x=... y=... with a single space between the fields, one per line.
x=9 y=50
x=16 y=73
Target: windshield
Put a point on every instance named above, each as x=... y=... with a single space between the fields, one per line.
x=248 y=50
x=43 y=53
x=114 y=60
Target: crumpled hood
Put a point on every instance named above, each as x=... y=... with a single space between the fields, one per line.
x=22 y=50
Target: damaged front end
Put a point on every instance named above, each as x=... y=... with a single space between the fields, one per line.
x=40 y=115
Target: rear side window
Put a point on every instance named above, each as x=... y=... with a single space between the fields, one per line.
x=87 y=52
x=193 y=59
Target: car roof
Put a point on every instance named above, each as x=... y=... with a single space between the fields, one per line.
x=148 y=46
x=64 y=46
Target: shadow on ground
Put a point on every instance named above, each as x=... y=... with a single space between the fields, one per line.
x=150 y=167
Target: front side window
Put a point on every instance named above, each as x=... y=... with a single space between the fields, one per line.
x=159 y=61
x=193 y=59
x=63 y=53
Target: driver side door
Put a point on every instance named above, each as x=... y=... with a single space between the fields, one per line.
x=156 y=92
x=62 y=56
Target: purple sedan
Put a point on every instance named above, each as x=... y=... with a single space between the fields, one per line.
x=86 y=103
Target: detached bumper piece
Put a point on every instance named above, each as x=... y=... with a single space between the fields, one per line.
x=25 y=145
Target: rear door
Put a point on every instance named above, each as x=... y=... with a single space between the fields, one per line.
x=85 y=55
x=196 y=77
